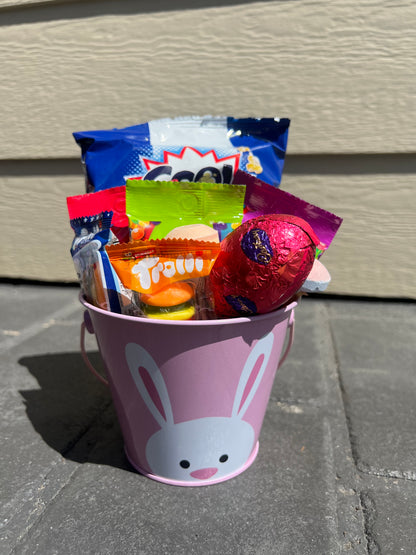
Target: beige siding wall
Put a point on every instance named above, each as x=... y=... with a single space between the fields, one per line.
x=342 y=71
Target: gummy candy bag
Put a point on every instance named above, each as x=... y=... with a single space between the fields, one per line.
x=148 y=266
x=155 y=208
x=185 y=149
x=166 y=276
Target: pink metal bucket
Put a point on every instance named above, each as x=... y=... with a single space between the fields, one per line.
x=190 y=395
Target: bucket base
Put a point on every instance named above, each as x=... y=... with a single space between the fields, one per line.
x=249 y=462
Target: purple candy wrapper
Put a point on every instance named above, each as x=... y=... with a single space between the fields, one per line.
x=262 y=199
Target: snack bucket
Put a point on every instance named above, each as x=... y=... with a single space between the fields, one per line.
x=190 y=396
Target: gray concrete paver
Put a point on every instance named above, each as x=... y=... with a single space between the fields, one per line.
x=390 y=509
x=48 y=401
x=377 y=360
x=281 y=504
x=22 y=306
x=313 y=489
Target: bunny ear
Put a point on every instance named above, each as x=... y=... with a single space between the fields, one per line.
x=262 y=347
x=137 y=357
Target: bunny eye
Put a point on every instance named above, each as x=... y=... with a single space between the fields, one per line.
x=185 y=464
x=223 y=458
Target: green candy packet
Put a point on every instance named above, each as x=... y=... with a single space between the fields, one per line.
x=156 y=207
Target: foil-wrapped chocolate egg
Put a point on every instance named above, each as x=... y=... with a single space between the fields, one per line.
x=262 y=264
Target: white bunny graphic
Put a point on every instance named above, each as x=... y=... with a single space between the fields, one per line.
x=204 y=448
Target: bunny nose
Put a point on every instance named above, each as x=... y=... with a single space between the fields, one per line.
x=204 y=473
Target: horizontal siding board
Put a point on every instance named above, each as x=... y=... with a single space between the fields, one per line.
x=371 y=255
x=373 y=251
x=34 y=218
x=344 y=75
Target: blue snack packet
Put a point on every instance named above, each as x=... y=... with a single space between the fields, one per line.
x=206 y=149
x=99 y=282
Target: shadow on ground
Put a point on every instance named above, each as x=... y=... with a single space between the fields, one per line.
x=72 y=411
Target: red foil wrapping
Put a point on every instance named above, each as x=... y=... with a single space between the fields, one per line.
x=262 y=264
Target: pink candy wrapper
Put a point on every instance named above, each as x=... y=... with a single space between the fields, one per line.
x=262 y=199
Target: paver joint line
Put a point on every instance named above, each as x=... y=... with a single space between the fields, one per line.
x=352 y=437
x=370 y=515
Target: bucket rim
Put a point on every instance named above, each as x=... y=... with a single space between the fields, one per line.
x=286 y=309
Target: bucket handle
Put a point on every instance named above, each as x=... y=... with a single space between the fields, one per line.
x=87 y=324
x=291 y=326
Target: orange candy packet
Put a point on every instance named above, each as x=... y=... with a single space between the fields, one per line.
x=148 y=266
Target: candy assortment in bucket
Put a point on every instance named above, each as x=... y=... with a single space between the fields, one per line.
x=190 y=268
